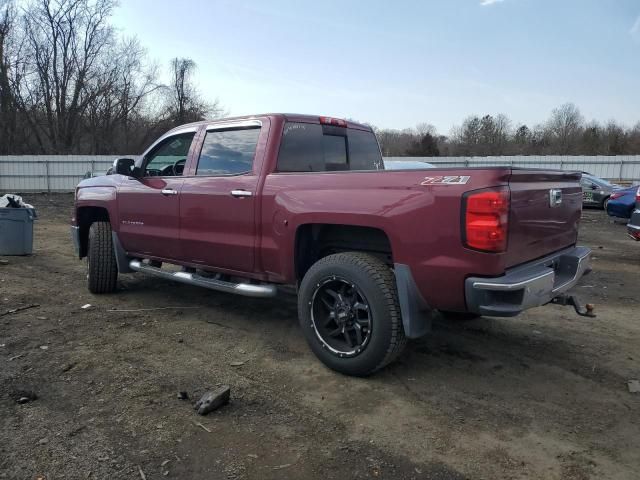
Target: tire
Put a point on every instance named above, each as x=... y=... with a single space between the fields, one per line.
x=368 y=289
x=102 y=270
x=605 y=202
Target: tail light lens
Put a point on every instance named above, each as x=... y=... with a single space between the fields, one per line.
x=615 y=195
x=486 y=219
x=638 y=196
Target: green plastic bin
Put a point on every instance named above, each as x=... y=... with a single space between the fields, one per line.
x=16 y=231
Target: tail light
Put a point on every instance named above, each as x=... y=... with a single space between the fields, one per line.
x=638 y=197
x=486 y=219
x=615 y=195
x=336 y=122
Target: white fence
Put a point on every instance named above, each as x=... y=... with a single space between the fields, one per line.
x=61 y=173
x=49 y=173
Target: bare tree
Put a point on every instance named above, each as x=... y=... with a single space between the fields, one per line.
x=425 y=128
x=633 y=139
x=501 y=134
x=615 y=139
x=64 y=41
x=118 y=99
x=68 y=84
x=521 y=140
x=185 y=104
x=565 y=126
x=563 y=133
x=591 y=139
x=468 y=136
x=7 y=103
x=424 y=146
x=396 y=142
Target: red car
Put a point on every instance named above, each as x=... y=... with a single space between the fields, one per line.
x=246 y=204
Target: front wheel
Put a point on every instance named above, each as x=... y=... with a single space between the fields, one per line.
x=102 y=270
x=349 y=313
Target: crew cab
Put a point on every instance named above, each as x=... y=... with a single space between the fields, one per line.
x=244 y=205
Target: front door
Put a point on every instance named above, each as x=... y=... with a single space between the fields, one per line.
x=149 y=206
x=217 y=200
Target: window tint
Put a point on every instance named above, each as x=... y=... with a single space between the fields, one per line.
x=364 y=153
x=301 y=148
x=308 y=147
x=228 y=152
x=335 y=152
x=169 y=157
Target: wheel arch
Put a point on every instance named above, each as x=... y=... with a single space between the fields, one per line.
x=314 y=241
x=85 y=216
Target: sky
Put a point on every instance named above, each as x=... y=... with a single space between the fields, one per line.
x=395 y=64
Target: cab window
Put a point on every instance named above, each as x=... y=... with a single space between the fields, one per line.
x=228 y=152
x=168 y=158
x=309 y=147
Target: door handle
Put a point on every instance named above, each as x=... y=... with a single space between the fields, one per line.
x=169 y=191
x=241 y=193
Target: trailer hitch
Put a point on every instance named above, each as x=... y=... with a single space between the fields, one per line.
x=584 y=311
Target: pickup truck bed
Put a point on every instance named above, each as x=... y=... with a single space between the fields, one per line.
x=246 y=204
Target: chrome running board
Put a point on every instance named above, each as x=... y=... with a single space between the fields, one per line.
x=263 y=290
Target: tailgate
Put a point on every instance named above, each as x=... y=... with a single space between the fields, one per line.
x=545 y=212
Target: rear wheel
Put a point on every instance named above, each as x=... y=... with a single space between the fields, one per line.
x=102 y=270
x=349 y=313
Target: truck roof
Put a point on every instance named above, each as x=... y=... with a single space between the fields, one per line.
x=291 y=117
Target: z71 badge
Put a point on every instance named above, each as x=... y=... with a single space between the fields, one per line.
x=446 y=180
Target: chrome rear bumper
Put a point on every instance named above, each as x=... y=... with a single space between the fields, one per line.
x=526 y=286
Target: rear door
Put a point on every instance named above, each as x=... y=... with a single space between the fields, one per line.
x=218 y=199
x=546 y=206
x=149 y=207
x=589 y=192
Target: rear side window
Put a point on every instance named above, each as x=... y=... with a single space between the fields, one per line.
x=228 y=152
x=308 y=147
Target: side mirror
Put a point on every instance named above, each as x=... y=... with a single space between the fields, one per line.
x=594 y=187
x=124 y=166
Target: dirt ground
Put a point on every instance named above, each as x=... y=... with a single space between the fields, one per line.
x=542 y=395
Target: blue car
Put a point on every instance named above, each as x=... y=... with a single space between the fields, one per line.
x=633 y=227
x=622 y=202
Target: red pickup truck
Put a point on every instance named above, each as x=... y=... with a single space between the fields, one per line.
x=243 y=205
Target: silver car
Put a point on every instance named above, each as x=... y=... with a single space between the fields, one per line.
x=596 y=191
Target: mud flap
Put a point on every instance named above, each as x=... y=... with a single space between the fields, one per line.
x=416 y=314
x=121 y=256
